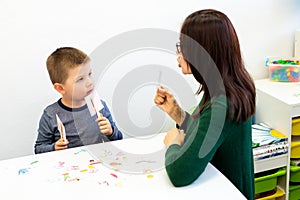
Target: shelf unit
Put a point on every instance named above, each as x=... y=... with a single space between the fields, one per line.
x=277 y=103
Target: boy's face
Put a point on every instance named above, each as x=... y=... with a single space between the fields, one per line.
x=79 y=84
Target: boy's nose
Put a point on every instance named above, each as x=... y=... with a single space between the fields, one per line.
x=89 y=82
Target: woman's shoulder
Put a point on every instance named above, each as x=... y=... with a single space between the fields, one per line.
x=219 y=101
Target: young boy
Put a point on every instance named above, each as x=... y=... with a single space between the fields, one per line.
x=71 y=75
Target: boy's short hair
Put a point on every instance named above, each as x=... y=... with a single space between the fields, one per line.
x=63 y=59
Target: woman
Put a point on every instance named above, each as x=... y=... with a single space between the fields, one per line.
x=219 y=130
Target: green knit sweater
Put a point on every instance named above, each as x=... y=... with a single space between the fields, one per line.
x=212 y=137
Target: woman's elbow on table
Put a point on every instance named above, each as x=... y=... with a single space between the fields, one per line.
x=180 y=179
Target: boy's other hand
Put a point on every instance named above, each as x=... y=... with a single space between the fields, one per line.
x=61 y=144
x=104 y=125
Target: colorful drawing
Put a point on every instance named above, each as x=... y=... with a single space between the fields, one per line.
x=23 y=171
x=82 y=167
x=81 y=150
x=115 y=163
x=150 y=176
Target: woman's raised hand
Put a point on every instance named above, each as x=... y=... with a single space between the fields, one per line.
x=165 y=100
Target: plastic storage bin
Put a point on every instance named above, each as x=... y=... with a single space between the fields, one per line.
x=295 y=152
x=267 y=181
x=296 y=127
x=294 y=192
x=295 y=174
x=284 y=70
x=279 y=193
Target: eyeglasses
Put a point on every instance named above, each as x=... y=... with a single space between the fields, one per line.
x=178 y=48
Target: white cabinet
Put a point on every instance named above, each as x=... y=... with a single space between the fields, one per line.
x=276 y=104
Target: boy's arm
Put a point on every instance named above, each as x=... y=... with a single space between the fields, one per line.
x=117 y=134
x=45 y=139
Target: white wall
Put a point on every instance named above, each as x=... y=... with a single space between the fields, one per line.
x=32 y=29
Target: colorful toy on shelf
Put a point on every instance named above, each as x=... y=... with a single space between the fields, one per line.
x=284 y=70
x=286 y=62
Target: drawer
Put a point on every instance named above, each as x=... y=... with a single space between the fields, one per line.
x=296 y=126
x=294 y=192
x=278 y=193
x=295 y=149
x=267 y=181
x=295 y=174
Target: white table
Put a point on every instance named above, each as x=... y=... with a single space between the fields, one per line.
x=126 y=169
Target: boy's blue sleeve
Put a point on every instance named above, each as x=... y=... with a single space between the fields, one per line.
x=117 y=134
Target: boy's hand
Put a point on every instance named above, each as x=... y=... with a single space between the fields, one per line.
x=104 y=125
x=61 y=144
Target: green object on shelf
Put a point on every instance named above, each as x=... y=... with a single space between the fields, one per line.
x=295 y=174
x=268 y=182
x=294 y=192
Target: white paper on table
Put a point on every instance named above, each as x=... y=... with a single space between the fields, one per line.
x=94 y=104
x=61 y=128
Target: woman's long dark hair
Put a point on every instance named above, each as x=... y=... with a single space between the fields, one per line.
x=215 y=34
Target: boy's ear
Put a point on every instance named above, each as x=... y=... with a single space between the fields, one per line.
x=59 y=88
